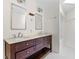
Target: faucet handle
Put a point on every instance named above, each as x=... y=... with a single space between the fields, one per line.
x=14 y=35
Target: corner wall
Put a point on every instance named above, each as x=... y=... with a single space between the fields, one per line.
x=69 y=33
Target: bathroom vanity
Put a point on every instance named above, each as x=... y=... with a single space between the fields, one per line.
x=33 y=47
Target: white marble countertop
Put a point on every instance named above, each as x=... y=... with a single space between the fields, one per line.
x=16 y=40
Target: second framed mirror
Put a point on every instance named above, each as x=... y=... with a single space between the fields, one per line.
x=38 y=21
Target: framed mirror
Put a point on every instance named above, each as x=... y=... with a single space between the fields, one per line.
x=18 y=17
x=38 y=21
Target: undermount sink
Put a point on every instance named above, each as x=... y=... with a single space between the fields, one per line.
x=27 y=36
x=18 y=37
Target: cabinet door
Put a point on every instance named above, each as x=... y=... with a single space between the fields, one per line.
x=46 y=41
x=39 y=40
x=39 y=44
x=38 y=47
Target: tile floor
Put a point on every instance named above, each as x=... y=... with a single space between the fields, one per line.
x=65 y=53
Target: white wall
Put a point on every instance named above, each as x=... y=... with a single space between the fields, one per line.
x=52 y=26
x=61 y=26
x=69 y=31
x=6 y=16
x=61 y=23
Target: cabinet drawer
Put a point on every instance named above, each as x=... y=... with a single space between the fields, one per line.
x=38 y=47
x=24 y=45
x=39 y=41
x=47 y=40
x=24 y=54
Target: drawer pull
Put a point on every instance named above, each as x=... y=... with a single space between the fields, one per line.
x=27 y=44
x=27 y=52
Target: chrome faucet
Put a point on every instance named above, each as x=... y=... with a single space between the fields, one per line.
x=20 y=34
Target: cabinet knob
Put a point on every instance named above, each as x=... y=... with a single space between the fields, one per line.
x=27 y=52
x=27 y=44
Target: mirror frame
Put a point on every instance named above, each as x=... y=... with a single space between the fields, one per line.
x=36 y=24
x=11 y=18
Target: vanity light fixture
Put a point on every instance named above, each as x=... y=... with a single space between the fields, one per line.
x=39 y=10
x=69 y=1
x=31 y=14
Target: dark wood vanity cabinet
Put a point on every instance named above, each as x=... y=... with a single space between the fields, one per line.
x=25 y=49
